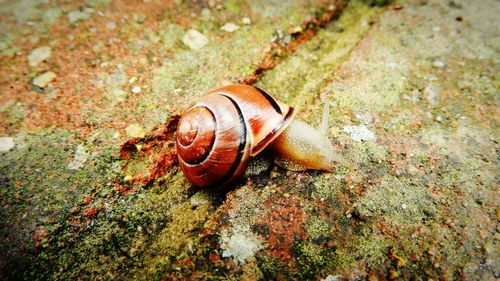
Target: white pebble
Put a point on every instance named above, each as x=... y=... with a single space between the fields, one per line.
x=392 y=65
x=79 y=159
x=230 y=27
x=77 y=15
x=136 y=89
x=6 y=144
x=404 y=206
x=38 y=55
x=438 y=64
x=432 y=94
x=44 y=79
x=205 y=13
x=135 y=131
x=333 y=278
x=111 y=25
x=194 y=39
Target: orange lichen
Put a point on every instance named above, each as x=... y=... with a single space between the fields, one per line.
x=157 y=149
x=285 y=225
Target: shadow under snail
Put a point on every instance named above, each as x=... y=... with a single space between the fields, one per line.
x=217 y=136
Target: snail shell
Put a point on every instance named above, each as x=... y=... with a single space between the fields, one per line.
x=218 y=134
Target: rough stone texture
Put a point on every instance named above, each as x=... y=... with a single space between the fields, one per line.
x=420 y=199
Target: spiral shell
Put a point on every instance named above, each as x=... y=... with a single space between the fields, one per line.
x=218 y=134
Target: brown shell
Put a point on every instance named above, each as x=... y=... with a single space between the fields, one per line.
x=218 y=134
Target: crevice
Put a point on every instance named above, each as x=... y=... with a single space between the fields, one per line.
x=283 y=45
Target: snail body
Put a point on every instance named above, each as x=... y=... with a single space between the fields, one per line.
x=218 y=134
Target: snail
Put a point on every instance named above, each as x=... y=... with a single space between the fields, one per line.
x=217 y=136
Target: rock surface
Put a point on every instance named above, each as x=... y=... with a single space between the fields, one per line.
x=87 y=193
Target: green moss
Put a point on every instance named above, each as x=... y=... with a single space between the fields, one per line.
x=43 y=192
x=312 y=259
x=326 y=187
x=319 y=229
x=373 y=249
x=345 y=259
x=272 y=268
x=232 y=6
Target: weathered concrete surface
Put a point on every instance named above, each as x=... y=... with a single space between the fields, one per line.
x=414 y=91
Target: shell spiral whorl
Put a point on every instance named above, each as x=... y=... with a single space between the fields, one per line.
x=217 y=135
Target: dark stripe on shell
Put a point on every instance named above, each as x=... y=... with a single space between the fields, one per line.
x=209 y=148
x=271 y=100
x=241 y=148
x=273 y=133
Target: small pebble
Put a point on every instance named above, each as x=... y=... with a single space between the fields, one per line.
x=246 y=20
x=194 y=39
x=392 y=65
x=295 y=30
x=6 y=144
x=135 y=131
x=404 y=206
x=438 y=64
x=136 y=89
x=38 y=55
x=205 y=13
x=230 y=27
x=333 y=278
x=432 y=94
x=111 y=25
x=44 y=79
x=78 y=15
x=118 y=94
